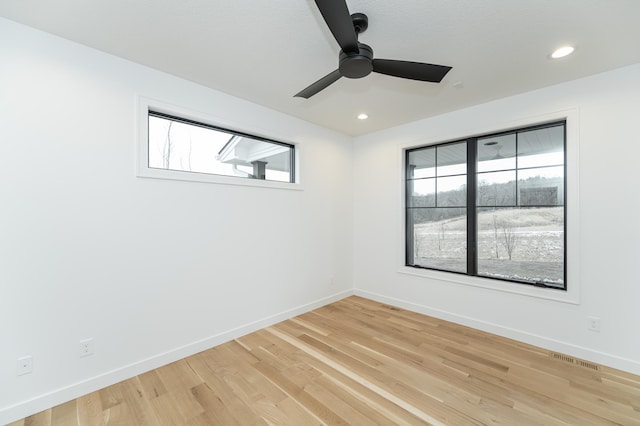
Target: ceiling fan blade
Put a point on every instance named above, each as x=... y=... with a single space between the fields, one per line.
x=319 y=85
x=411 y=70
x=336 y=15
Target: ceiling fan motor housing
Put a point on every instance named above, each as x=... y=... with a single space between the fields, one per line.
x=356 y=65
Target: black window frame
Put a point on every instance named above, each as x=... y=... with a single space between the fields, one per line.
x=292 y=148
x=472 y=206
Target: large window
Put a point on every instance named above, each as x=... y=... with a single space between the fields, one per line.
x=490 y=206
x=183 y=145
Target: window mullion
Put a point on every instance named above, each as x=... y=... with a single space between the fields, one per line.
x=409 y=225
x=517 y=183
x=472 y=223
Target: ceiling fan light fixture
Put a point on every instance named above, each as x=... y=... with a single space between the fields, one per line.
x=562 y=52
x=362 y=116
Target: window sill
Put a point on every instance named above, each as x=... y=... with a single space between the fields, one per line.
x=555 y=295
x=146 y=172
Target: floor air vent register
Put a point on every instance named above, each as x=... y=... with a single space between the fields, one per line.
x=575 y=361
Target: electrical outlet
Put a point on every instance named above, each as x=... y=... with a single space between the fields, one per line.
x=332 y=281
x=593 y=324
x=86 y=347
x=24 y=365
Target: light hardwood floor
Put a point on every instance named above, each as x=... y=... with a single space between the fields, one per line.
x=360 y=362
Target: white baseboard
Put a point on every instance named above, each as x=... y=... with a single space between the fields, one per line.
x=51 y=399
x=587 y=354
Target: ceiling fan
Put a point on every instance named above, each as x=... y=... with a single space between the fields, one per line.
x=356 y=59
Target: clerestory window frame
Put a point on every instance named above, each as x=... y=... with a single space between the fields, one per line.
x=148 y=109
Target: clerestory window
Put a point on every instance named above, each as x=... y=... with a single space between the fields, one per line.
x=184 y=145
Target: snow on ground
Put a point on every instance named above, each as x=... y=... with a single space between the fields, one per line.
x=535 y=238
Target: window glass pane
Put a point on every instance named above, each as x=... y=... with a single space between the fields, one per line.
x=179 y=146
x=280 y=174
x=189 y=147
x=522 y=244
x=497 y=153
x=541 y=147
x=439 y=238
x=541 y=187
x=421 y=192
x=452 y=191
x=452 y=159
x=497 y=189
x=421 y=163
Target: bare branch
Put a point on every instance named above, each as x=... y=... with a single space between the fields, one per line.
x=495 y=234
x=510 y=238
x=166 y=155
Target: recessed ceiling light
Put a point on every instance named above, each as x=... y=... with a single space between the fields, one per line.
x=562 y=52
x=362 y=116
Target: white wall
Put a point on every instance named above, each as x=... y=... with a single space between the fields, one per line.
x=604 y=126
x=153 y=270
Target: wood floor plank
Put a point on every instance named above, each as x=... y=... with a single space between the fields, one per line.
x=40 y=419
x=176 y=407
x=90 y=410
x=214 y=408
x=297 y=393
x=217 y=383
x=152 y=384
x=361 y=362
x=118 y=415
x=65 y=414
x=364 y=393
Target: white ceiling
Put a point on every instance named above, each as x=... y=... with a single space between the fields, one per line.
x=267 y=51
